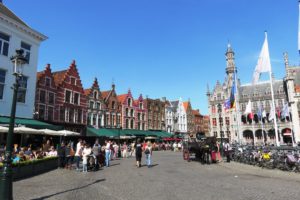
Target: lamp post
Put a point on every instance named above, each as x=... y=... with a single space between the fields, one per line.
x=221 y=124
x=119 y=149
x=6 y=179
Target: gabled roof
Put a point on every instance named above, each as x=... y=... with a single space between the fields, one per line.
x=185 y=105
x=87 y=92
x=105 y=94
x=59 y=76
x=122 y=97
x=196 y=112
x=8 y=13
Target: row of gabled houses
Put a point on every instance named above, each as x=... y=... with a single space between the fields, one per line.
x=58 y=97
x=61 y=99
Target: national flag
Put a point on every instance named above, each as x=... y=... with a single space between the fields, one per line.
x=285 y=111
x=264 y=114
x=248 y=108
x=263 y=63
x=259 y=112
x=272 y=114
x=227 y=104
x=232 y=93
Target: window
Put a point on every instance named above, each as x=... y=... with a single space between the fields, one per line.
x=126 y=112
x=113 y=104
x=51 y=98
x=21 y=96
x=214 y=122
x=98 y=105
x=76 y=99
x=227 y=120
x=129 y=102
x=62 y=114
x=42 y=112
x=91 y=104
x=42 y=96
x=126 y=124
x=2 y=82
x=131 y=124
x=68 y=96
x=4 y=44
x=139 y=116
x=50 y=113
x=73 y=81
x=47 y=82
x=131 y=113
x=26 y=47
x=141 y=105
x=95 y=95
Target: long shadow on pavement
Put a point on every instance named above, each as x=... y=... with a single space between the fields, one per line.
x=51 y=195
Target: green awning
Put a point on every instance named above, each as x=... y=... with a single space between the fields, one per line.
x=102 y=132
x=31 y=123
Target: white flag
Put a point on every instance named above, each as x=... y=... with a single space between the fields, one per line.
x=272 y=114
x=248 y=108
x=285 y=111
x=263 y=63
x=263 y=115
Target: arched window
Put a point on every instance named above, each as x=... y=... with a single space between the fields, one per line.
x=126 y=123
x=129 y=101
x=131 y=113
x=131 y=124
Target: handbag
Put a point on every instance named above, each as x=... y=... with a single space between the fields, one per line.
x=147 y=151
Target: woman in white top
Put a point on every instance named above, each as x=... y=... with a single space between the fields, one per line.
x=85 y=153
x=148 y=152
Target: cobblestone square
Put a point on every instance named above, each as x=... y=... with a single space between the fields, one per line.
x=170 y=178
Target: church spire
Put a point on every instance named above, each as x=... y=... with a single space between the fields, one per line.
x=230 y=65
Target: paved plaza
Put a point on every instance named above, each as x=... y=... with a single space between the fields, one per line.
x=170 y=178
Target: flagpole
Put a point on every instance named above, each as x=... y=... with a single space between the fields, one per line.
x=291 y=127
x=273 y=102
x=237 y=112
x=261 y=122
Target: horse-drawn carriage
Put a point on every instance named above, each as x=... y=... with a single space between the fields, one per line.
x=199 y=149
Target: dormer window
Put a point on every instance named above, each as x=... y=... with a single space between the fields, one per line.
x=73 y=81
x=129 y=101
x=47 y=82
x=141 y=105
x=95 y=95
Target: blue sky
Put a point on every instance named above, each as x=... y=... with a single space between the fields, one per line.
x=161 y=48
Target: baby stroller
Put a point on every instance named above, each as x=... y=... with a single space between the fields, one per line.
x=91 y=165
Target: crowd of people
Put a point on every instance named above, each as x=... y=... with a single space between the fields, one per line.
x=82 y=156
x=26 y=153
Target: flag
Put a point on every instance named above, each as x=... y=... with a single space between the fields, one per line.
x=232 y=93
x=278 y=112
x=264 y=114
x=272 y=113
x=248 y=108
x=263 y=63
x=227 y=104
x=285 y=111
x=259 y=112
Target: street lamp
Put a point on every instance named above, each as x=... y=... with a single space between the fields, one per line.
x=221 y=124
x=119 y=149
x=6 y=179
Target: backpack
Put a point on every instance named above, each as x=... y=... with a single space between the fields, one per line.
x=147 y=151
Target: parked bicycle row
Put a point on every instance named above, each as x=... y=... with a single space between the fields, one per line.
x=283 y=158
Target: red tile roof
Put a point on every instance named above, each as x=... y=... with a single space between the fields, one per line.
x=122 y=97
x=185 y=105
x=87 y=92
x=196 y=112
x=105 y=94
x=59 y=76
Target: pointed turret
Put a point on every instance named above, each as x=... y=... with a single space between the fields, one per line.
x=230 y=65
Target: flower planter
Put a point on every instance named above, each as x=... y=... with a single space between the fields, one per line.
x=33 y=169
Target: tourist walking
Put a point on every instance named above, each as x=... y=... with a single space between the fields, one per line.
x=61 y=155
x=124 y=150
x=107 y=153
x=78 y=153
x=85 y=153
x=227 y=150
x=138 y=152
x=148 y=153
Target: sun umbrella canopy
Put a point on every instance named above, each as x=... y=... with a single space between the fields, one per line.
x=68 y=133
